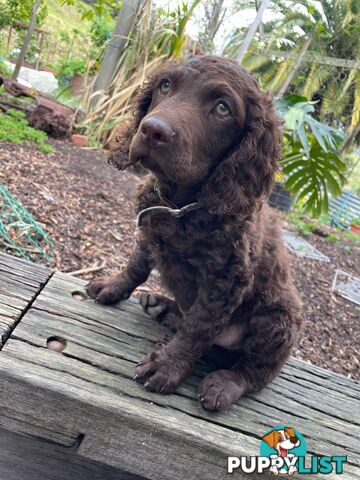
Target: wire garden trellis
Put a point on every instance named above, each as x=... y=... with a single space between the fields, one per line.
x=347 y=285
x=20 y=234
x=301 y=247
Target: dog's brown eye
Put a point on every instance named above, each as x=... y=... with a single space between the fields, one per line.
x=222 y=110
x=165 y=86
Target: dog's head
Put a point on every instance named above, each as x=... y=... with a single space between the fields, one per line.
x=282 y=440
x=205 y=123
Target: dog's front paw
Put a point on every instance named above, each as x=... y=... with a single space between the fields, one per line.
x=107 y=291
x=219 y=390
x=158 y=372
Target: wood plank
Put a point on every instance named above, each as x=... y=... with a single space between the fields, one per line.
x=324 y=375
x=53 y=298
x=252 y=417
x=71 y=414
x=351 y=388
x=88 y=390
x=125 y=432
x=32 y=459
x=20 y=282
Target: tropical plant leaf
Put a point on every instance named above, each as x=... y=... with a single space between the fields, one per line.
x=314 y=176
x=298 y=119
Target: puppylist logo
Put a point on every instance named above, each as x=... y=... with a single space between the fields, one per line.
x=283 y=452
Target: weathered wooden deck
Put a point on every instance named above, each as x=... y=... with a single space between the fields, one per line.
x=78 y=414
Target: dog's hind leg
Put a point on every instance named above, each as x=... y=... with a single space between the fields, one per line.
x=161 y=309
x=263 y=351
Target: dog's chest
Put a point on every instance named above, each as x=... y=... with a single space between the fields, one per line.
x=176 y=237
x=180 y=248
x=190 y=247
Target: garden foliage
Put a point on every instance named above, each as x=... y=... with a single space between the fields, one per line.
x=16 y=129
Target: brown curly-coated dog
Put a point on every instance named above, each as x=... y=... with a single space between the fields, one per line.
x=211 y=140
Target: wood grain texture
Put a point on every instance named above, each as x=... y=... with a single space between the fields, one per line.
x=87 y=392
x=49 y=462
x=20 y=282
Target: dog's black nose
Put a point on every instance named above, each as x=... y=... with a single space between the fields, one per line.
x=155 y=132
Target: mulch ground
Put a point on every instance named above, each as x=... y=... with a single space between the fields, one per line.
x=85 y=206
x=331 y=332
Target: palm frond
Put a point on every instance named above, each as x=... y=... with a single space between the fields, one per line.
x=269 y=74
x=316 y=77
x=335 y=99
x=256 y=63
x=281 y=74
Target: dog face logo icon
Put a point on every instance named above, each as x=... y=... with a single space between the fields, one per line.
x=283 y=452
x=283 y=445
x=282 y=440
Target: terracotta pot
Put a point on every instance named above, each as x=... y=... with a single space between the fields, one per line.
x=79 y=140
x=355 y=229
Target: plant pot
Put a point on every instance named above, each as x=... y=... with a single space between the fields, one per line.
x=79 y=140
x=281 y=198
x=355 y=229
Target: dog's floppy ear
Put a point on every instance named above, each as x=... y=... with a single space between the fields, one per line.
x=241 y=182
x=120 y=145
x=272 y=438
x=290 y=431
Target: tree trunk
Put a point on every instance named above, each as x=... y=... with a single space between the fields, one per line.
x=122 y=30
x=296 y=67
x=214 y=15
x=261 y=25
x=25 y=46
x=251 y=32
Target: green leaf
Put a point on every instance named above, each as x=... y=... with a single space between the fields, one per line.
x=303 y=139
x=305 y=192
x=294 y=118
x=331 y=182
x=297 y=180
x=325 y=200
x=291 y=166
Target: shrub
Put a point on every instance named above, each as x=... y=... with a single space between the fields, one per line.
x=70 y=67
x=101 y=30
x=15 y=128
x=312 y=167
x=4 y=69
x=11 y=10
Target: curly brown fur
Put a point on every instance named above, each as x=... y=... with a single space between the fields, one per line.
x=224 y=263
